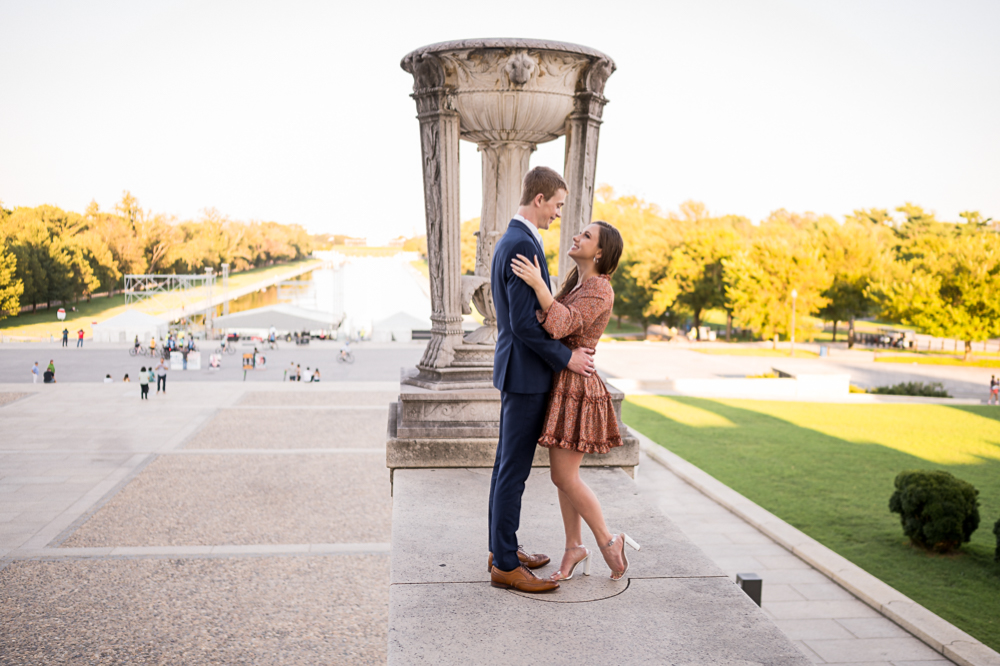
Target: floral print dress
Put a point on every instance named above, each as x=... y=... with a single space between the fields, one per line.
x=580 y=414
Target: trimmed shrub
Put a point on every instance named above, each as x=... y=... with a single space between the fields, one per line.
x=996 y=531
x=938 y=511
x=931 y=390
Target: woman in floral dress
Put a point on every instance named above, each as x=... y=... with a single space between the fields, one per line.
x=580 y=417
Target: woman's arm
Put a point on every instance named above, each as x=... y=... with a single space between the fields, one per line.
x=531 y=273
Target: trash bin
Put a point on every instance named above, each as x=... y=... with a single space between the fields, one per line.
x=824 y=350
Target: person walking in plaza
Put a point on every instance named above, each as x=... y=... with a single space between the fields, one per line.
x=580 y=417
x=994 y=391
x=523 y=366
x=152 y=346
x=35 y=371
x=161 y=377
x=65 y=337
x=143 y=384
x=79 y=338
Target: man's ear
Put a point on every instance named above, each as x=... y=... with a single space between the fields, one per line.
x=538 y=200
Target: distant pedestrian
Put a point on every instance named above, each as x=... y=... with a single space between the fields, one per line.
x=298 y=373
x=309 y=374
x=35 y=371
x=143 y=384
x=161 y=376
x=994 y=391
x=49 y=376
x=107 y=379
x=79 y=338
x=126 y=379
x=152 y=346
x=315 y=376
x=65 y=337
x=152 y=375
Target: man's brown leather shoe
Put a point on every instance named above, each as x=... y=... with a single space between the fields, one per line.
x=521 y=579
x=531 y=561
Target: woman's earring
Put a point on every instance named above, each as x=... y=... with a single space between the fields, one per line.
x=595 y=260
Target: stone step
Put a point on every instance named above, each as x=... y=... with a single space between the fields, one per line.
x=674 y=606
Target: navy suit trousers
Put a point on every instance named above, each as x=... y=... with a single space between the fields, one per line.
x=522 y=417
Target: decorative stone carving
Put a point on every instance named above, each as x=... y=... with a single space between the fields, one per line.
x=506 y=95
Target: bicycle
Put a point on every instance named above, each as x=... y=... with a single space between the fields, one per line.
x=137 y=351
x=345 y=357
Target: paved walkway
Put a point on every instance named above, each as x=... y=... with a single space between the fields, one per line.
x=224 y=523
x=826 y=622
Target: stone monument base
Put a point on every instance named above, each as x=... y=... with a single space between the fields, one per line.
x=431 y=428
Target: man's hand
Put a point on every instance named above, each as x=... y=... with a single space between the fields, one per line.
x=582 y=361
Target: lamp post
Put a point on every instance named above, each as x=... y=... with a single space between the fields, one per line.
x=211 y=308
x=794 y=296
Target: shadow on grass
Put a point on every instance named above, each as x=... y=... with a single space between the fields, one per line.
x=837 y=491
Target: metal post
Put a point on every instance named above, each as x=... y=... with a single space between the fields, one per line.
x=225 y=289
x=211 y=308
x=794 y=296
x=750 y=583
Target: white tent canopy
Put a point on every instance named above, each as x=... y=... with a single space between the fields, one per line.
x=284 y=318
x=125 y=326
x=398 y=327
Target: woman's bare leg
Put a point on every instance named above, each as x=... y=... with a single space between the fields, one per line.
x=565 y=471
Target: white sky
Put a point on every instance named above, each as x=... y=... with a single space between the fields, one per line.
x=299 y=112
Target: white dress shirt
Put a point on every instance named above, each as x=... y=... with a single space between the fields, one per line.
x=534 y=231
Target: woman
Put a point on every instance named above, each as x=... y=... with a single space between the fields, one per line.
x=580 y=417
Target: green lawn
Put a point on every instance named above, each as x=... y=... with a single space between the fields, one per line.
x=828 y=469
x=625 y=326
x=942 y=360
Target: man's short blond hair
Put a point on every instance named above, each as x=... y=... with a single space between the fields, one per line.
x=541 y=180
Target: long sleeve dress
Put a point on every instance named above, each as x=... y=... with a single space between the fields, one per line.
x=580 y=414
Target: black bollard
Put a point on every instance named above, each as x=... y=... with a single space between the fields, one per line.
x=751 y=583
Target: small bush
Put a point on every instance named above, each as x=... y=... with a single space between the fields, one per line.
x=856 y=389
x=938 y=511
x=996 y=531
x=931 y=390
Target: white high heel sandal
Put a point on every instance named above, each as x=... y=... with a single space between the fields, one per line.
x=626 y=540
x=586 y=566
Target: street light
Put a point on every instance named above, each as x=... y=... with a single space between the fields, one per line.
x=795 y=295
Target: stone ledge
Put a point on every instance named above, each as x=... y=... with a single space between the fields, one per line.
x=677 y=606
x=933 y=630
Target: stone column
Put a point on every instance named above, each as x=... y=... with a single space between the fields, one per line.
x=439 y=132
x=582 y=130
x=504 y=166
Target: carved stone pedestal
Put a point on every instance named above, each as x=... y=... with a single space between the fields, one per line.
x=460 y=428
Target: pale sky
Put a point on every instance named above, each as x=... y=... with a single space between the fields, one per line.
x=298 y=112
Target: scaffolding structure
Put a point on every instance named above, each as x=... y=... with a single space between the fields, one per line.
x=151 y=286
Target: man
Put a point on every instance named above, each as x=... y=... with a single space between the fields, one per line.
x=161 y=377
x=35 y=372
x=79 y=338
x=525 y=359
x=65 y=337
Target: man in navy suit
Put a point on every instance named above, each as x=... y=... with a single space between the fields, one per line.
x=525 y=360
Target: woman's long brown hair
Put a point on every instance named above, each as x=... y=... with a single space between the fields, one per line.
x=610 y=242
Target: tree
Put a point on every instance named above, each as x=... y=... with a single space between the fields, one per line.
x=10 y=287
x=855 y=254
x=694 y=270
x=760 y=279
x=951 y=288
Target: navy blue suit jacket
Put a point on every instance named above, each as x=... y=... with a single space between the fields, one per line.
x=525 y=355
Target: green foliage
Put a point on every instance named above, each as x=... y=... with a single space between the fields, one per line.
x=929 y=390
x=62 y=256
x=938 y=511
x=945 y=282
x=996 y=532
x=10 y=288
x=759 y=280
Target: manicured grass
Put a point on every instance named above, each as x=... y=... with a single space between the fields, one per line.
x=755 y=351
x=43 y=323
x=828 y=469
x=625 y=326
x=941 y=360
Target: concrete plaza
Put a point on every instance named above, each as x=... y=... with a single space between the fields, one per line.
x=249 y=522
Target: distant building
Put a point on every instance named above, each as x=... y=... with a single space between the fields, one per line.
x=356 y=242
